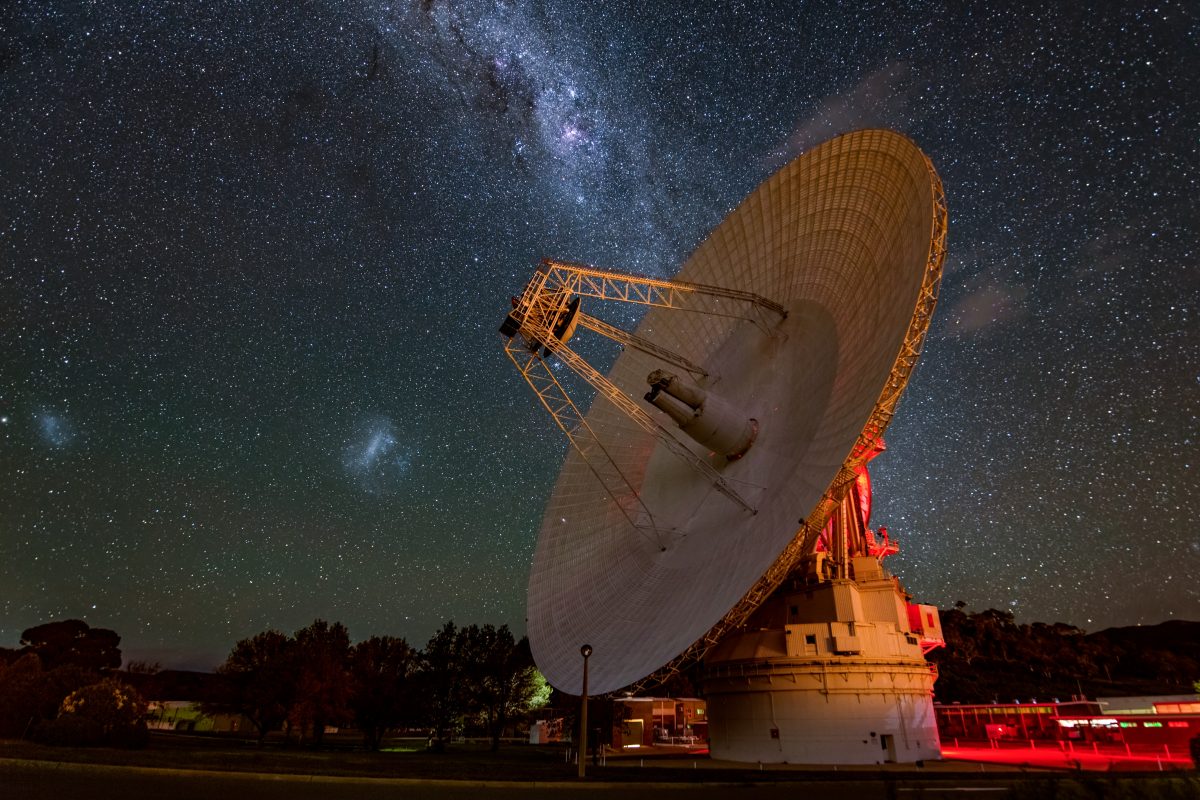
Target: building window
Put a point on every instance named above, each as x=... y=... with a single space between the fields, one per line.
x=810 y=638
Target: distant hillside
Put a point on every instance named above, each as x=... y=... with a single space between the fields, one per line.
x=176 y=684
x=1178 y=636
x=988 y=657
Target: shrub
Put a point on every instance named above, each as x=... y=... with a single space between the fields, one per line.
x=109 y=712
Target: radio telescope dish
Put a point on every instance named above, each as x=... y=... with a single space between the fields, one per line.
x=722 y=439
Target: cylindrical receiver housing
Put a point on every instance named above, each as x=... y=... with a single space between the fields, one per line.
x=707 y=418
x=671 y=407
x=672 y=385
x=721 y=428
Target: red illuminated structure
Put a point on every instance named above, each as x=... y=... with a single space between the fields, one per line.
x=847 y=546
x=1147 y=735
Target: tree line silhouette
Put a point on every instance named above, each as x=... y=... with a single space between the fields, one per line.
x=989 y=657
x=303 y=683
x=63 y=686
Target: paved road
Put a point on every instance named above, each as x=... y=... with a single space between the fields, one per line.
x=47 y=781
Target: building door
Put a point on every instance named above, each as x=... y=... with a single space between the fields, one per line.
x=631 y=733
x=887 y=742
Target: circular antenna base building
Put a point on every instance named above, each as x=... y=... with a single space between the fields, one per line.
x=835 y=676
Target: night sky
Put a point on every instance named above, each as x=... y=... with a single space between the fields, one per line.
x=253 y=258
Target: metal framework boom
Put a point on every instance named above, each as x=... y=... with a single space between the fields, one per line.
x=547 y=313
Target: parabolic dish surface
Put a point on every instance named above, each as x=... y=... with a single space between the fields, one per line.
x=841 y=237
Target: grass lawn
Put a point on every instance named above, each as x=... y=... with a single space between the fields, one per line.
x=402 y=759
x=408 y=758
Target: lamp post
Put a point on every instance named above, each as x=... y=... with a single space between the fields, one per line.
x=584 y=651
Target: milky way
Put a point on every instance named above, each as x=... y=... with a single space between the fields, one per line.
x=253 y=261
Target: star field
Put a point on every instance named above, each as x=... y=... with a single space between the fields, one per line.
x=253 y=259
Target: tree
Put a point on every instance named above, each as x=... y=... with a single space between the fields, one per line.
x=322 y=696
x=959 y=633
x=381 y=669
x=112 y=709
x=989 y=657
x=499 y=676
x=26 y=696
x=997 y=631
x=262 y=677
x=441 y=683
x=73 y=641
x=55 y=659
